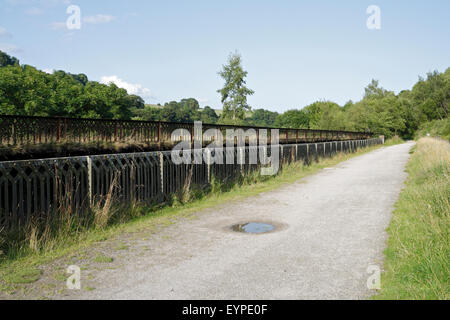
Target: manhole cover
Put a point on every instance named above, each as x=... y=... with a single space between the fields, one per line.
x=253 y=227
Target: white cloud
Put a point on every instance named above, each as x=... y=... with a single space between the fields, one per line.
x=9 y=48
x=98 y=18
x=49 y=71
x=131 y=88
x=203 y=100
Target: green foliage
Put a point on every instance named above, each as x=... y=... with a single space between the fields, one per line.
x=261 y=117
x=6 y=60
x=103 y=259
x=148 y=113
x=187 y=110
x=379 y=112
x=433 y=94
x=325 y=115
x=208 y=115
x=293 y=119
x=435 y=128
x=234 y=92
x=24 y=90
x=24 y=276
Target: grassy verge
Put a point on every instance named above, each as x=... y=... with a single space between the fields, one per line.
x=435 y=128
x=418 y=251
x=392 y=141
x=20 y=262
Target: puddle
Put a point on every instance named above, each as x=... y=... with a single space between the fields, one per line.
x=253 y=227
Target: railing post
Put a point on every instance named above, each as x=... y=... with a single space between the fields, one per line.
x=192 y=138
x=307 y=152
x=208 y=163
x=65 y=129
x=59 y=129
x=90 y=179
x=281 y=155
x=159 y=135
x=241 y=158
x=161 y=172
x=13 y=129
x=132 y=180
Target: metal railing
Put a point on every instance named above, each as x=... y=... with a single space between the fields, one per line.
x=42 y=188
x=23 y=130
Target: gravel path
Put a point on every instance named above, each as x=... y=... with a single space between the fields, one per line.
x=330 y=228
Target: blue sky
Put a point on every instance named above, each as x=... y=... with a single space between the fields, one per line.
x=295 y=52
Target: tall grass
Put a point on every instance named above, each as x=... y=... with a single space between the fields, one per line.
x=418 y=252
x=46 y=233
x=394 y=140
x=435 y=128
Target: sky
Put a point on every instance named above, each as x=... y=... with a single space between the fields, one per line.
x=295 y=52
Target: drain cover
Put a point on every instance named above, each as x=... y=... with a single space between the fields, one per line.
x=253 y=227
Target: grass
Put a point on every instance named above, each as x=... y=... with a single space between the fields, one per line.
x=103 y=259
x=69 y=235
x=122 y=247
x=23 y=276
x=418 y=249
x=392 y=141
x=435 y=128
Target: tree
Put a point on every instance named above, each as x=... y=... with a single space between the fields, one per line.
x=234 y=92
x=135 y=101
x=7 y=60
x=148 y=113
x=208 y=115
x=261 y=117
x=25 y=90
x=373 y=89
x=380 y=112
x=433 y=95
x=293 y=119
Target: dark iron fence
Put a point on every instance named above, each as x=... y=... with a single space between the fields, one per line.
x=22 y=130
x=30 y=188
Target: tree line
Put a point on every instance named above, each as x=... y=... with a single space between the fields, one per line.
x=25 y=90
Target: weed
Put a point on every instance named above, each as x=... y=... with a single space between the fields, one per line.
x=23 y=276
x=103 y=259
